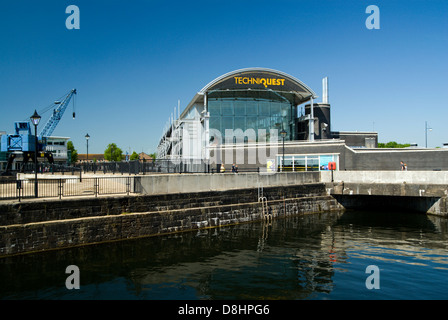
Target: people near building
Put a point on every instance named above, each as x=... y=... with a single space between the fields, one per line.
x=223 y=169
x=234 y=168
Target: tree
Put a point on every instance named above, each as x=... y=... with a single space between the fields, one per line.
x=134 y=156
x=393 y=144
x=73 y=152
x=113 y=153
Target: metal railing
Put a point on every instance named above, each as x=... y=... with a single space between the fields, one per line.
x=129 y=167
x=65 y=187
x=154 y=166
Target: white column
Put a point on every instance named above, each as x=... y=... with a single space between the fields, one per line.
x=311 y=122
x=206 y=130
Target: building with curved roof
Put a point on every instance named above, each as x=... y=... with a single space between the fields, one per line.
x=261 y=118
x=254 y=101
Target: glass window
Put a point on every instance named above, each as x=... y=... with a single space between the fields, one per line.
x=215 y=123
x=276 y=109
x=312 y=163
x=263 y=108
x=299 y=163
x=240 y=107
x=227 y=108
x=240 y=123
x=252 y=108
x=252 y=123
x=277 y=123
x=287 y=164
x=226 y=123
x=324 y=160
x=214 y=107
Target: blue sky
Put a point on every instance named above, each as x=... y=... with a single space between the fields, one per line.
x=131 y=61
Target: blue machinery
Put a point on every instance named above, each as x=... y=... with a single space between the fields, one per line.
x=23 y=141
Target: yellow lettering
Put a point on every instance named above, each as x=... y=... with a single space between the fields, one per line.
x=264 y=81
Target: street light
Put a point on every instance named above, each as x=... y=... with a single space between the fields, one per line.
x=283 y=133
x=87 y=140
x=35 y=118
x=426 y=133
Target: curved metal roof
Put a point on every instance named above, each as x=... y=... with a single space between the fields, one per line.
x=296 y=88
x=248 y=70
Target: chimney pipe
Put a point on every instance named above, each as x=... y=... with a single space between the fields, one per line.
x=325 y=90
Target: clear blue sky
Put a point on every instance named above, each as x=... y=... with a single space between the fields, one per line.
x=131 y=61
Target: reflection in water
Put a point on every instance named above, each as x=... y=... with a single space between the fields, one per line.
x=319 y=256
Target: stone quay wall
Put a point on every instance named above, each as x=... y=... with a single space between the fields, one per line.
x=54 y=224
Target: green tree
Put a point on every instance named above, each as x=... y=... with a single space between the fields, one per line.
x=73 y=152
x=134 y=156
x=393 y=144
x=113 y=153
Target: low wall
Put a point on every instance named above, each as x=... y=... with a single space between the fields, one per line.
x=180 y=183
x=398 y=176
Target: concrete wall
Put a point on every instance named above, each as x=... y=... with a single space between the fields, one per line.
x=397 y=176
x=389 y=159
x=181 y=183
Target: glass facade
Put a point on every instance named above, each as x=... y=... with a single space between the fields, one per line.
x=306 y=162
x=253 y=112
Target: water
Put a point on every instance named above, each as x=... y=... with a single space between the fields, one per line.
x=321 y=256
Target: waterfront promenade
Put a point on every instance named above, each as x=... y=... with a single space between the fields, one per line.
x=99 y=184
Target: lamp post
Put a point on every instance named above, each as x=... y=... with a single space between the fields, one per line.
x=426 y=133
x=283 y=134
x=35 y=118
x=87 y=140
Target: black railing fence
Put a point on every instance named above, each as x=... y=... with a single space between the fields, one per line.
x=86 y=178
x=156 y=166
x=65 y=187
x=140 y=167
x=132 y=167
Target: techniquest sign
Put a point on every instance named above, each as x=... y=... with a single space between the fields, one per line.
x=264 y=81
x=258 y=80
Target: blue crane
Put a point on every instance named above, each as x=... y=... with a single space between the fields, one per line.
x=23 y=141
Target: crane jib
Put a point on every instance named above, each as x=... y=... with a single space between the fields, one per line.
x=57 y=115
